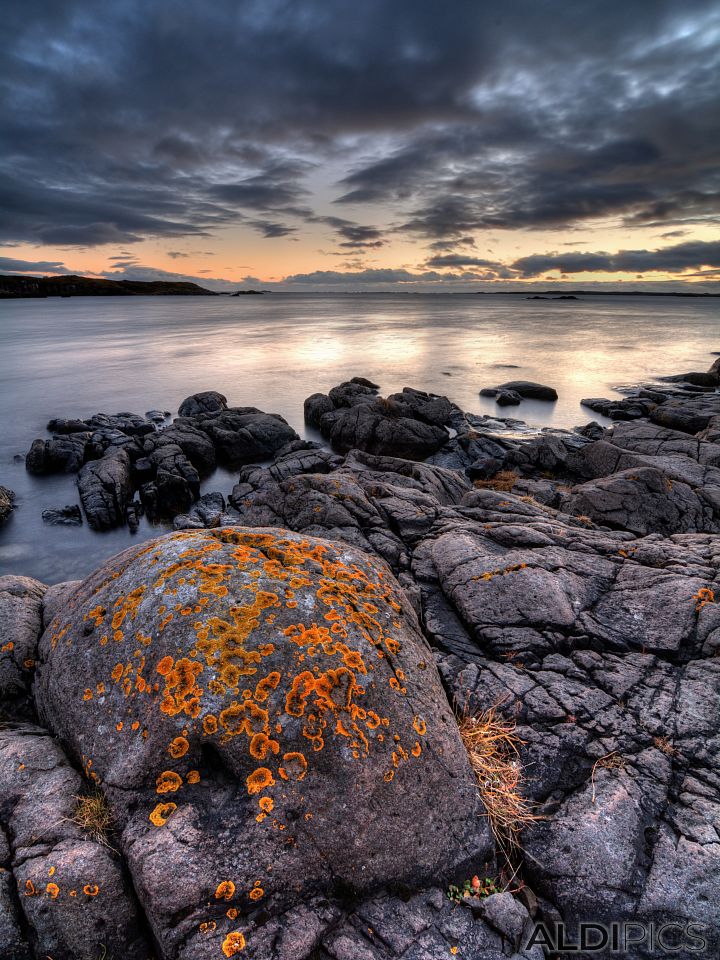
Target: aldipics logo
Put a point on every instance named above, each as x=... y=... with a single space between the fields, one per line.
x=621 y=938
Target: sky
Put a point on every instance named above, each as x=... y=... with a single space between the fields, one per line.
x=373 y=145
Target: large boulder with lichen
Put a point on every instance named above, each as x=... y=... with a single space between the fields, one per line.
x=266 y=720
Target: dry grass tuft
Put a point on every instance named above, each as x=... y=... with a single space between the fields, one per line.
x=611 y=761
x=93 y=815
x=504 y=481
x=492 y=746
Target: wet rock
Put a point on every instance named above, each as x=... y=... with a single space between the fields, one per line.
x=107 y=440
x=63 y=516
x=206 y=513
x=64 y=454
x=427 y=407
x=68 y=426
x=157 y=416
x=245 y=434
x=368 y=427
x=315 y=407
x=525 y=388
x=176 y=485
x=507 y=398
x=352 y=393
x=131 y=424
x=208 y=402
x=194 y=443
x=218 y=794
x=105 y=490
x=7 y=499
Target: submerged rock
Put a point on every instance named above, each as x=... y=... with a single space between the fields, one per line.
x=524 y=388
x=264 y=715
x=63 y=516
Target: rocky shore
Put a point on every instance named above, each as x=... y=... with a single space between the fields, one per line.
x=263 y=704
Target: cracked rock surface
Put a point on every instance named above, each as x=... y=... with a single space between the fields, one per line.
x=570 y=579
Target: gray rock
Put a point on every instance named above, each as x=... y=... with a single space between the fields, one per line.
x=315 y=407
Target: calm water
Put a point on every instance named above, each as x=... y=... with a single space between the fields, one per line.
x=73 y=358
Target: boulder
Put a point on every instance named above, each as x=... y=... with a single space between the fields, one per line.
x=315 y=407
x=106 y=490
x=208 y=402
x=265 y=717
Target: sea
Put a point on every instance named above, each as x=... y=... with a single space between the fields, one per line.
x=79 y=356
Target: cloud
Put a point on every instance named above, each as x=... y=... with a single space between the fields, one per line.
x=126 y=121
x=8 y=265
x=674 y=259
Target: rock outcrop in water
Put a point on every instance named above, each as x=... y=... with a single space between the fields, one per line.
x=570 y=580
x=123 y=454
x=7 y=498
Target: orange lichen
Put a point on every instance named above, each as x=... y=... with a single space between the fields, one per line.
x=91 y=889
x=266 y=804
x=233 y=943
x=294 y=766
x=162 y=813
x=419 y=726
x=168 y=782
x=703 y=597
x=182 y=693
x=210 y=724
x=257 y=893
x=225 y=890
x=259 y=779
x=231 y=913
x=29 y=888
x=193 y=776
x=52 y=890
x=208 y=927
x=178 y=747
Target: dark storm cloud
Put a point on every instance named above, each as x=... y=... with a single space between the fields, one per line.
x=8 y=265
x=683 y=256
x=150 y=118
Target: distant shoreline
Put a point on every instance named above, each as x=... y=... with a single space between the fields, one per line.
x=14 y=287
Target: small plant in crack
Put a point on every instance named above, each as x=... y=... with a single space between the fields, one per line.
x=492 y=745
x=611 y=761
x=93 y=815
x=474 y=889
x=504 y=481
x=665 y=745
